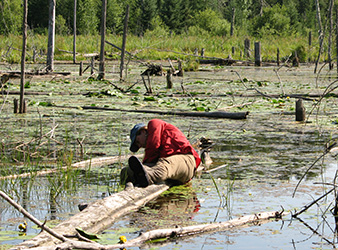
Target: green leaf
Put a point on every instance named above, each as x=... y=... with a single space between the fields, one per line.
x=87 y=235
x=149 y=98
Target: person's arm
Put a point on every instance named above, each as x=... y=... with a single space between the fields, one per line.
x=152 y=150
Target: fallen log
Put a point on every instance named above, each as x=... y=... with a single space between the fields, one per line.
x=173 y=232
x=218 y=61
x=215 y=114
x=98 y=216
x=17 y=74
x=95 y=162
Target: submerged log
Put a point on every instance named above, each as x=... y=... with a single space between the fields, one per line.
x=99 y=215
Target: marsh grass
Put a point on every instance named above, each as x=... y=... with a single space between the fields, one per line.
x=152 y=47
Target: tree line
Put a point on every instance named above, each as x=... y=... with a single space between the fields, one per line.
x=194 y=17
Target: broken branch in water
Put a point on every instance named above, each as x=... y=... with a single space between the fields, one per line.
x=31 y=217
x=312 y=203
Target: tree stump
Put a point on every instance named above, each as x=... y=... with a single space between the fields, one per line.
x=169 y=79
x=202 y=52
x=81 y=69
x=16 y=106
x=300 y=111
x=258 y=57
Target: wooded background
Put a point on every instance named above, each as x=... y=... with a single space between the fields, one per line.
x=194 y=17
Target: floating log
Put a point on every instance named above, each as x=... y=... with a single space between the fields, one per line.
x=218 y=61
x=17 y=74
x=173 y=232
x=96 y=162
x=98 y=216
x=215 y=114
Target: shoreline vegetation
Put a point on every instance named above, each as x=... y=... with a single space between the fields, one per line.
x=152 y=47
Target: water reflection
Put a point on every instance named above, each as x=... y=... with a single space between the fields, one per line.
x=177 y=206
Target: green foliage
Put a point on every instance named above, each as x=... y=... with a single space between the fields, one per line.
x=87 y=19
x=301 y=53
x=38 y=14
x=115 y=16
x=190 y=65
x=60 y=26
x=199 y=17
x=209 y=22
x=10 y=16
x=274 y=21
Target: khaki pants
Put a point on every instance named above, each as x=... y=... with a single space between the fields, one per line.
x=177 y=168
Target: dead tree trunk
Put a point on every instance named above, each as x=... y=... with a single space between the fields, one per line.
x=103 y=38
x=125 y=30
x=232 y=22
x=330 y=35
x=74 y=33
x=321 y=34
x=22 y=108
x=51 y=36
x=337 y=37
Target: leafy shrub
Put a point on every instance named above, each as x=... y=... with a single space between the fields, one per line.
x=61 y=26
x=274 y=21
x=301 y=53
x=208 y=21
x=159 y=29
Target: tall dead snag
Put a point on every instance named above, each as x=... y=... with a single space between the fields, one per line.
x=125 y=30
x=232 y=22
x=99 y=215
x=321 y=34
x=330 y=35
x=74 y=34
x=51 y=36
x=337 y=35
x=103 y=38
x=22 y=108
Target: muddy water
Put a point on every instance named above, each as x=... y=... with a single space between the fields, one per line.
x=265 y=156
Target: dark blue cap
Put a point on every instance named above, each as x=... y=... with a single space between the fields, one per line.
x=133 y=147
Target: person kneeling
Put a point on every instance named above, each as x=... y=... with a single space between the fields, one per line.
x=169 y=156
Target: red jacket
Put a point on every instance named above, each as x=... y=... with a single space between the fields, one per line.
x=164 y=139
